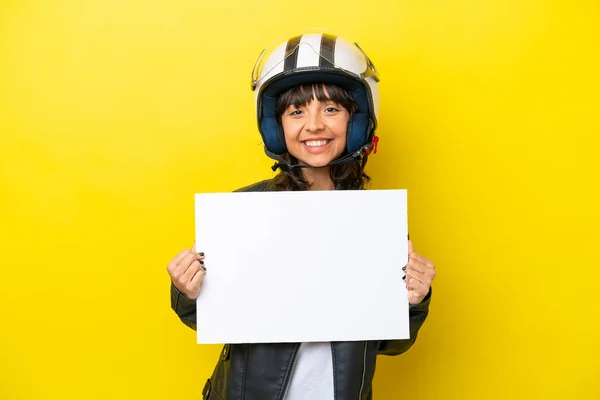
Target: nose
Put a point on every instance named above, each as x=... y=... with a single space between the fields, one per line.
x=315 y=123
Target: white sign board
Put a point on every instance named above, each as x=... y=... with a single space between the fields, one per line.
x=307 y=266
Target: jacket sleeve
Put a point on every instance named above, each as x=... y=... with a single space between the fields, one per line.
x=184 y=307
x=417 y=315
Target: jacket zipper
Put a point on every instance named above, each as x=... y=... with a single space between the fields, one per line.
x=364 y=373
x=291 y=374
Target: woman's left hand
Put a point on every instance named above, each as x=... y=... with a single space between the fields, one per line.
x=420 y=272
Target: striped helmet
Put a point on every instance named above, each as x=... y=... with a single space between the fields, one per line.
x=316 y=58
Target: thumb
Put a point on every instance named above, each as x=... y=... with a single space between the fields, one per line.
x=194 y=247
x=411 y=249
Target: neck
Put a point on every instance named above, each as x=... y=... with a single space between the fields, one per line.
x=318 y=178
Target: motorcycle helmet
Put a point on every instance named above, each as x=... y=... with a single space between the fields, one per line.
x=317 y=58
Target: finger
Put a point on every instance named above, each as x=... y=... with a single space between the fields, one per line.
x=172 y=266
x=191 y=271
x=416 y=266
x=200 y=254
x=198 y=278
x=192 y=288
x=416 y=277
x=419 y=288
x=411 y=249
x=180 y=256
x=185 y=263
x=407 y=278
x=423 y=260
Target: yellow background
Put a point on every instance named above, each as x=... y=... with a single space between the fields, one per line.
x=114 y=113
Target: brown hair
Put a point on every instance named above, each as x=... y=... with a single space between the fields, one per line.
x=348 y=176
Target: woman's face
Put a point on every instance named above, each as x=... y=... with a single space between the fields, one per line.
x=315 y=133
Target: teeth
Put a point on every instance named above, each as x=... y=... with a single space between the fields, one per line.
x=316 y=143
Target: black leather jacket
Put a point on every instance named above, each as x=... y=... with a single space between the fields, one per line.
x=262 y=371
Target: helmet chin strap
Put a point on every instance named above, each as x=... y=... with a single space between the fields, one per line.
x=348 y=158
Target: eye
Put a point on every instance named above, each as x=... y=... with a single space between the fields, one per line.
x=295 y=112
x=331 y=109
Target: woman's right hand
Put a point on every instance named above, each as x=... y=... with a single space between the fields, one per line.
x=187 y=272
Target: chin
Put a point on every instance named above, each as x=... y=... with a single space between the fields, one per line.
x=316 y=162
x=319 y=164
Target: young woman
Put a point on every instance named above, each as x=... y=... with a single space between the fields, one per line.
x=317 y=105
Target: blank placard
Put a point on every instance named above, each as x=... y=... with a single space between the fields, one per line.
x=307 y=266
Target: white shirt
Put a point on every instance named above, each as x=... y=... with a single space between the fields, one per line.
x=312 y=376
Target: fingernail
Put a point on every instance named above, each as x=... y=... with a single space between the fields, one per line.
x=201 y=254
x=201 y=262
x=204 y=268
x=404 y=268
x=404 y=277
